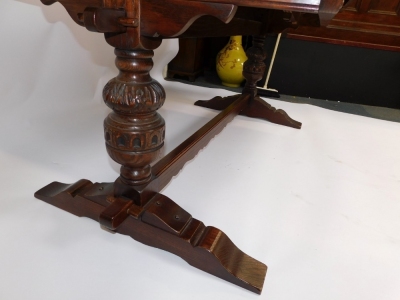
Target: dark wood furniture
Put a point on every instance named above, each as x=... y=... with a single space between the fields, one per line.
x=189 y=60
x=362 y=23
x=134 y=132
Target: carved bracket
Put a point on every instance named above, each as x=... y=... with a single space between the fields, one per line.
x=158 y=14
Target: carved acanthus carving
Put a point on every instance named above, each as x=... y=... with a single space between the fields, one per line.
x=133 y=98
x=133 y=90
x=134 y=132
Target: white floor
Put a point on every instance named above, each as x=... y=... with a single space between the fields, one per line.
x=320 y=206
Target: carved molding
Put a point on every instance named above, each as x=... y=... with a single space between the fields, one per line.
x=133 y=98
x=134 y=135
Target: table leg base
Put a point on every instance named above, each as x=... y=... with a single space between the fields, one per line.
x=161 y=223
x=257 y=108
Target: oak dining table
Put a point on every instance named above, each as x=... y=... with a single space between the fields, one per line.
x=134 y=131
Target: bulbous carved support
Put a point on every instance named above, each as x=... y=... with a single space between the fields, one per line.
x=254 y=67
x=134 y=132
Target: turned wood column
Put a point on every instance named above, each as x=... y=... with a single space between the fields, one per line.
x=134 y=131
x=254 y=66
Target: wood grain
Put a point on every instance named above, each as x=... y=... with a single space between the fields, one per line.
x=161 y=224
x=134 y=132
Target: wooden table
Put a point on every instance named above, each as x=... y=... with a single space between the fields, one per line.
x=134 y=132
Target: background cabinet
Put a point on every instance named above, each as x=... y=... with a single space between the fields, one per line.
x=365 y=23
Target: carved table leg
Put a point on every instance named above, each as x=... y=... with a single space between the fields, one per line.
x=132 y=205
x=134 y=132
x=253 y=71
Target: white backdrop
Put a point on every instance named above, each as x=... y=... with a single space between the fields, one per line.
x=320 y=206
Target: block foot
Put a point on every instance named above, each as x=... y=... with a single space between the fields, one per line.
x=256 y=108
x=163 y=224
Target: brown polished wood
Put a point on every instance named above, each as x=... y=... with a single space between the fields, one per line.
x=134 y=132
x=188 y=61
x=155 y=220
x=362 y=23
x=161 y=224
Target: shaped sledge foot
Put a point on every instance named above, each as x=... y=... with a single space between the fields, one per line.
x=163 y=224
x=257 y=108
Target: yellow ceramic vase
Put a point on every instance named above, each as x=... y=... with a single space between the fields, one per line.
x=230 y=62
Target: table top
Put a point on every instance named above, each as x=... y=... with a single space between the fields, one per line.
x=293 y=5
x=178 y=15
